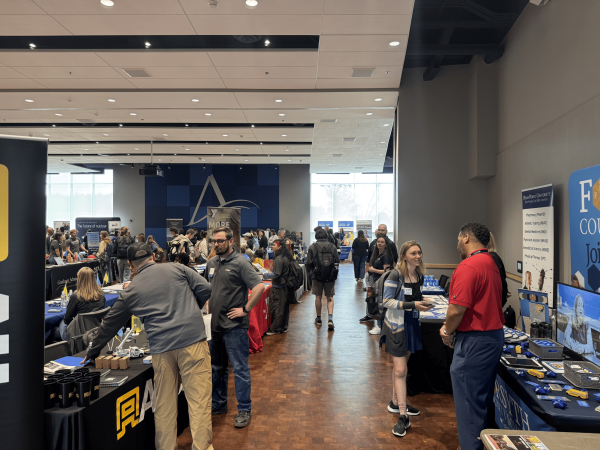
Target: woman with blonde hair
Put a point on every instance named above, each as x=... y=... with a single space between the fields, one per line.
x=103 y=255
x=87 y=298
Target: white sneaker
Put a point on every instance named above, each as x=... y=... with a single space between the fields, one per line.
x=375 y=330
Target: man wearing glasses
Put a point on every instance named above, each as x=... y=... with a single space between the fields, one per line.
x=231 y=276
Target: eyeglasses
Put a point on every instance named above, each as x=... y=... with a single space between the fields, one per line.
x=218 y=241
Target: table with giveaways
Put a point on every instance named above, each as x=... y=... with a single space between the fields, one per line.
x=58 y=276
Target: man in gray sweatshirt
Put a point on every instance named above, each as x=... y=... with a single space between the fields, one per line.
x=168 y=298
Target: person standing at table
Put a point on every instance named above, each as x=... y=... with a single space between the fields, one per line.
x=74 y=245
x=360 y=248
x=381 y=260
x=49 y=233
x=103 y=255
x=168 y=298
x=231 y=277
x=475 y=320
x=56 y=246
x=279 y=305
x=381 y=231
x=87 y=298
x=123 y=242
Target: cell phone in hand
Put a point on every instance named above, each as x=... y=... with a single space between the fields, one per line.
x=428 y=304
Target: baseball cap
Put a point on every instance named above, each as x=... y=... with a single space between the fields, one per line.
x=247 y=235
x=139 y=250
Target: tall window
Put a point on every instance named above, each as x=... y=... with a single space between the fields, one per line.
x=351 y=197
x=69 y=196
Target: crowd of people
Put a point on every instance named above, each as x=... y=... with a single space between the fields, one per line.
x=232 y=285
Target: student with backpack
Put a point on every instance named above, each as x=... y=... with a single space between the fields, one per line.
x=279 y=305
x=123 y=242
x=322 y=260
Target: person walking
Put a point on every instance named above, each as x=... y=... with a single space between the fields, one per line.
x=279 y=305
x=474 y=327
x=360 y=249
x=168 y=298
x=123 y=242
x=231 y=277
x=322 y=260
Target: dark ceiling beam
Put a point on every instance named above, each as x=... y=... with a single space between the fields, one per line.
x=435 y=24
x=436 y=62
x=454 y=50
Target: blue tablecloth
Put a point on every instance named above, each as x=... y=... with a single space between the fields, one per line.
x=53 y=319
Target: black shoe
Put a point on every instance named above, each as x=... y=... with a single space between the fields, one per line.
x=401 y=427
x=272 y=333
x=366 y=319
x=411 y=411
x=217 y=412
x=242 y=419
x=330 y=325
x=318 y=321
x=393 y=408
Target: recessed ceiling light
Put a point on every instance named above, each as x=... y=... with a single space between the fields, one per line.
x=136 y=148
x=287 y=149
x=112 y=100
x=386 y=124
x=278 y=101
x=31 y=45
x=267 y=42
x=207 y=114
x=195 y=100
x=237 y=149
x=128 y=154
x=174 y=154
x=246 y=160
x=105 y=135
x=289 y=159
x=120 y=124
x=54 y=125
x=252 y=3
x=132 y=114
x=57 y=114
x=382 y=142
x=281 y=115
x=369 y=114
x=46 y=135
x=187 y=149
x=28 y=100
x=394 y=44
x=378 y=99
x=224 y=135
x=165 y=134
x=261 y=143
x=160 y=159
x=147 y=44
x=107 y=2
x=86 y=148
x=186 y=125
x=251 y=126
x=284 y=135
x=331 y=164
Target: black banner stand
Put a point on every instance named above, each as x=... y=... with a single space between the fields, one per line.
x=23 y=167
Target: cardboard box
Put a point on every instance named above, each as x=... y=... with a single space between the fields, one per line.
x=106 y=362
x=99 y=363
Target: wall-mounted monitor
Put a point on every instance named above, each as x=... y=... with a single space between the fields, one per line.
x=578 y=321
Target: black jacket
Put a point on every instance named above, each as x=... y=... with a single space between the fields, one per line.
x=263 y=242
x=391 y=246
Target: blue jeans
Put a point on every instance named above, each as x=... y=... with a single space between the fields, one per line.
x=232 y=345
x=473 y=373
x=359 y=266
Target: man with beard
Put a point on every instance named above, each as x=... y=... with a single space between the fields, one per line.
x=279 y=305
x=231 y=277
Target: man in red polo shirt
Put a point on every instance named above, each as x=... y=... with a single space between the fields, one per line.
x=475 y=323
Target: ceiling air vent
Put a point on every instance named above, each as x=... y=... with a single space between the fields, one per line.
x=337 y=155
x=348 y=139
x=362 y=73
x=328 y=120
x=137 y=73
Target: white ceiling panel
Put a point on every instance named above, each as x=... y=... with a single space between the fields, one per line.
x=85 y=83
x=20 y=7
x=264 y=59
x=363 y=43
x=39 y=58
x=7 y=72
x=125 y=24
x=94 y=7
x=256 y=24
x=346 y=72
x=67 y=72
x=366 y=24
x=358 y=83
x=177 y=83
x=30 y=25
x=367 y=7
x=155 y=58
x=267 y=7
x=250 y=100
x=19 y=83
x=360 y=59
x=267 y=73
x=174 y=72
x=288 y=83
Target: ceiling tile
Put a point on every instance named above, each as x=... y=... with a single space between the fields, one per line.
x=256 y=24
x=363 y=43
x=288 y=83
x=155 y=58
x=177 y=83
x=84 y=83
x=367 y=7
x=68 y=72
x=124 y=25
x=30 y=25
x=50 y=59
x=7 y=72
x=19 y=83
x=366 y=24
x=263 y=59
x=346 y=72
x=120 y=7
x=273 y=72
x=360 y=59
x=180 y=72
x=360 y=83
x=267 y=7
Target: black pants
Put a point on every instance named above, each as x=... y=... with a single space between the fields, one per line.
x=280 y=309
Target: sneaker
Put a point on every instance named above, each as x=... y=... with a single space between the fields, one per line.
x=330 y=325
x=243 y=419
x=217 y=412
x=393 y=408
x=366 y=319
x=400 y=427
x=410 y=411
x=271 y=333
x=318 y=321
x=375 y=330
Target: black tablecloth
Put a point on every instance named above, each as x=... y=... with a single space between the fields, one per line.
x=573 y=418
x=96 y=426
x=56 y=276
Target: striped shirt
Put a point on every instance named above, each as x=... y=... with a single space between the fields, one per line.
x=394 y=315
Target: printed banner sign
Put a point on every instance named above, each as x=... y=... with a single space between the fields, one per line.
x=325 y=223
x=346 y=224
x=584 y=219
x=177 y=223
x=538 y=240
x=63 y=226
x=93 y=241
x=225 y=217
x=366 y=226
x=61 y=276
x=512 y=413
x=114 y=225
x=96 y=224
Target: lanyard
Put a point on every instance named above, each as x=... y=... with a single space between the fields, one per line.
x=477 y=252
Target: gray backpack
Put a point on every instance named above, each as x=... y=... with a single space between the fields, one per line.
x=375 y=298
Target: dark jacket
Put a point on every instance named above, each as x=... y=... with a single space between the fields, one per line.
x=502 y=271
x=77 y=306
x=263 y=242
x=391 y=245
x=313 y=250
x=360 y=248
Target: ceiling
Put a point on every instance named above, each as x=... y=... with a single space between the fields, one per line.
x=71 y=80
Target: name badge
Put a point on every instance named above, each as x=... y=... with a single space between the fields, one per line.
x=211 y=272
x=407 y=291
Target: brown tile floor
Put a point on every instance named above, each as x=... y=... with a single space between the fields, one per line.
x=315 y=389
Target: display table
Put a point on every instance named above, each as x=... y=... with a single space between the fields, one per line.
x=260 y=320
x=57 y=276
x=122 y=418
x=552 y=440
x=53 y=319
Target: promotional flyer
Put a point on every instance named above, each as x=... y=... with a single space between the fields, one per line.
x=177 y=223
x=225 y=217
x=538 y=240
x=584 y=220
x=366 y=226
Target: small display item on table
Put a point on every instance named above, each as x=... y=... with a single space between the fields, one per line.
x=559 y=403
x=512 y=336
x=546 y=348
x=597 y=397
x=536 y=373
x=582 y=374
x=580 y=393
x=529 y=354
x=542 y=390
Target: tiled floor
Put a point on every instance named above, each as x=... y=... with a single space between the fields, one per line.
x=316 y=389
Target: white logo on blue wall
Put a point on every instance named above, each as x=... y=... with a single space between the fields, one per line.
x=222 y=202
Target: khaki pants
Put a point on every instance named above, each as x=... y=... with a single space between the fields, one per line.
x=190 y=365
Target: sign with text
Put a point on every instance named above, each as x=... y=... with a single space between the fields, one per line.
x=63 y=226
x=584 y=220
x=366 y=226
x=224 y=217
x=93 y=241
x=325 y=223
x=346 y=224
x=538 y=240
x=177 y=223
x=95 y=224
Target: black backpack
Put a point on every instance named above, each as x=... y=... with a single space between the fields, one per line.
x=295 y=276
x=122 y=246
x=325 y=269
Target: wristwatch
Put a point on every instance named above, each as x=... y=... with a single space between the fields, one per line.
x=445 y=331
x=244 y=309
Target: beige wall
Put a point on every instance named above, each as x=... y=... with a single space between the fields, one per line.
x=129 y=197
x=294 y=199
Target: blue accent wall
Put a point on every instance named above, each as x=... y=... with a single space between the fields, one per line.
x=176 y=195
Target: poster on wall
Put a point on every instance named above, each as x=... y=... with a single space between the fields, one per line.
x=366 y=226
x=225 y=217
x=95 y=224
x=93 y=241
x=177 y=223
x=114 y=225
x=325 y=223
x=584 y=220
x=538 y=241
x=63 y=226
